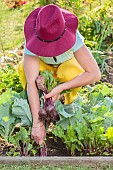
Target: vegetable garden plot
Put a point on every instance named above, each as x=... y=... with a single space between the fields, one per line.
x=85 y=126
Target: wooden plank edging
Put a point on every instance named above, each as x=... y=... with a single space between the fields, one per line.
x=58 y=161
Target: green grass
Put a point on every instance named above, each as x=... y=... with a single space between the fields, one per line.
x=11 y=26
x=36 y=167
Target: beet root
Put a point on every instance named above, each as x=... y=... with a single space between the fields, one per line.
x=42 y=114
x=50 y=110
x=56 y=116
x=48 y=113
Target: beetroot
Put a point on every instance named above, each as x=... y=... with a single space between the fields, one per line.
x=42 y=114
x=56 y=116
x=48 y=113
x=50 y=110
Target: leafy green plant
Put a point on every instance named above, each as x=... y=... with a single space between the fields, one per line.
x=7 y=119
x=22 y=141
x=14 y=110
x=97 y=23
x=21 y=110
x=72 y=5
x=50 y=81
x=83 y=127
x=9 y=78
x=69 y=138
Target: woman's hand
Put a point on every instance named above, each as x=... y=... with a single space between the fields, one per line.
x=38 y=133
x=55 y=92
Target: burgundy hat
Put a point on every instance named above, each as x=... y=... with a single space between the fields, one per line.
x=50 y=31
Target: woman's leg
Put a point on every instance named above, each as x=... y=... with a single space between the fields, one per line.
x=66 y=72
x=21 y=72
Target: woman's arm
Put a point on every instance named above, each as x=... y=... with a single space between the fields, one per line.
x=88 y=63
x=31 y=67
x=91 y=74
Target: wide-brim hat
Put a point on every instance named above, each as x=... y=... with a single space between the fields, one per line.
x=50 y=31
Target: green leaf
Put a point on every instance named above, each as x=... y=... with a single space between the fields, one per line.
x=58 y=131
x=109 y=103
x=33 y=151
x=96 y=97
x=105 y=90
x=81 y=130
x=59 y=107
x=6 y=96
x=98 y=119
x=109 y=114
x=71 y=113
x=73 y=146
x=6 y=119
x=23 y=95
x=14 y=141
x=4 y=110
x=64 y=123
x=21 y=110
x=71 y=133
x=90 y=89
x=22 y=140
x=50 y=81
x=30 y=146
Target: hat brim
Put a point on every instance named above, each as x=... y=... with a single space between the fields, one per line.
x=55 y=48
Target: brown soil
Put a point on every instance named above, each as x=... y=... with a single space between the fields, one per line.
x=56 y=147
x=109 y=76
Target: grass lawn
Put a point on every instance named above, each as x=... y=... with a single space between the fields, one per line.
x=36 y=167
x=11 y=26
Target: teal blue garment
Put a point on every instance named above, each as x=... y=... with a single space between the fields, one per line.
x=63 y=57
